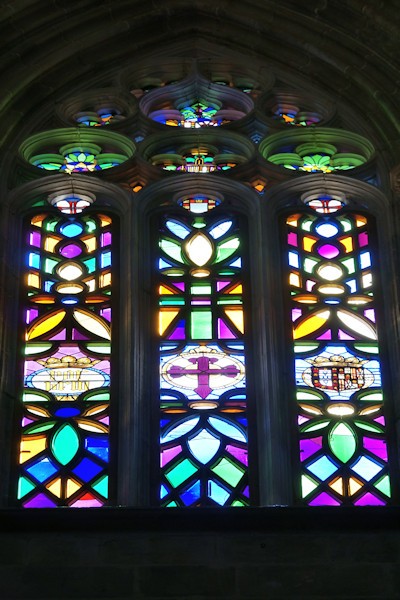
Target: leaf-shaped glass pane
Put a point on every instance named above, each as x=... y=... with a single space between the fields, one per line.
x=173 y=249
x=227 y=248
x=178 y=229
x=218 y=230
x=65 y=444
x=199 y=249
x=179 y=430
x=204 y=446
x=342 y=441
x=227 y=429
x=92 y=323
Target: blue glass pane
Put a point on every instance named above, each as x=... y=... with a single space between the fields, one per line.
x=219 y=230
x=67 y=412
x=217 y=493
x=178 y=229
x=98 y=446
x=87 y=469
x=106 y=259
x=163 y=491
x=72 y=229
x=236 y=263
x=322 y=468
x=227 y=429
x=34 y=260
x=192 y=494
x=42 y=470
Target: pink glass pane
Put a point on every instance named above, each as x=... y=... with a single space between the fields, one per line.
x=296 y=313
x=59 y=336
x=302 y=420
x=344 y=336
x=26 y=421
x=71 y=251
x=309 y=447
x=363 y=239
x=369 y=500
x=224 y=333
x=238 y=453
x=370 y=314
x=378 y=447
x=169 y=454
x=309 y=285
x=328 y=251
x=106 y=238
x=380 y=420
x=31 y=314
x=222 y=284
x=324 y=499
x=200 y=302
x=92 y=503
x=327 y=335
x=292 y=239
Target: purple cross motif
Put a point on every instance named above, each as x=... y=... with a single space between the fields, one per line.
x=203 y=373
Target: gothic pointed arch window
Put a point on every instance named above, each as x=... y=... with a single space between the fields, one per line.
x=221 y=278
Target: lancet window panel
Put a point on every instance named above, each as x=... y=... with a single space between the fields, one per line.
x=67 y=303
x=203 y=402
x=343 y=441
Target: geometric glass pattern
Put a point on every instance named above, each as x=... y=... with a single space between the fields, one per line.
x=342 y=437
x=64 y=441
x=202 y=362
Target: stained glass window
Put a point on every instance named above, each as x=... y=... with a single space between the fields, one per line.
x=64 y=439
x=202 y=357
x=341 y=418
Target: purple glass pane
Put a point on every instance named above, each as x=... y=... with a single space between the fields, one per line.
x=378 y=447
x=92 y=503
x=31 y=314
x=106 y=314
x=179 y=332
x=77 y=335
x=296 y=313
x=59 y=336
x=328 y=251
x=40 y=501
x=309 y=447
x=380 y=420
x=180 y=285
x=26 y=421
x=246 y=492
x=369 y=500
x=34 y=239
x=239 y=453
x=224 y=333
x=302 y=420
x=363 y=239
x=370 y=314
x=324 y=499
x=71 y=251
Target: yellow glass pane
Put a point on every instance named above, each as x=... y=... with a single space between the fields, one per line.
x=90 y=243
x=72 y=487
x=337 y=485
x=46 y=324
x=33 y=280
x=293 y=220
x=30 y=446
x=104 y=220
x=294 y=279
x=347 y=243
x=55 y=487
x=308 y=243
x=354 y=485
x=38 y=220
x=165 y=319
x=92 y=323
x=360 y=221
x=164 y=290
x=50 y=243
x=105 y=280
x=238 y=289
x=311 y=324
x=236 y=316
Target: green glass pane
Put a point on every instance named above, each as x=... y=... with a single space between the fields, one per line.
x=342 y=442
x=309 y=264
x=315 y=427
x=372 y=397
x=90 y=225
x=175 y=301
x=181 y=472
x=227 y=248
x=172 y=504
x=34 y=397
x=228 y=471
x=200 y=289
x=65 y=444
x=49 y=265
x=369 y=426
x=308 y=485
x=24 y=487
x=34 y=429
x=90 y=264
x=383 y=485
x=99 y=397
x=99 y=348
x=201 y=325
x=347 y=225
x=36 y=348
x=367 y=348
x=101 y=486
x=51 y=225
x=172 y=249
x=230 y=300
x=300 y=395
x=350 y=264
x=238 y=503
x=305 y=347
x=306 y=225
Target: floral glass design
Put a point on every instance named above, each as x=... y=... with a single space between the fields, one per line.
x=202 y=358
x=341 y=419
x=64 y=448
